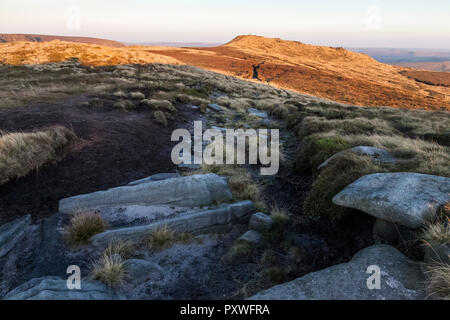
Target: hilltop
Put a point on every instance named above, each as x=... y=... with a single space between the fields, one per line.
x=333 y=73
x=16 y=37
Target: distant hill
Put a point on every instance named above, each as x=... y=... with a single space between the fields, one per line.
x=5 y=37
x=88 y=54
x=333 y=73
x=442 y=66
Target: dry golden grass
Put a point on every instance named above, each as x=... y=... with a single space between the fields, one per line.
x=439 y=281
x=110 y=269
x=438 y=231
x=21 y=153
x=83 y=225
x=89 y=54
x=160 y=117
x=161 y=238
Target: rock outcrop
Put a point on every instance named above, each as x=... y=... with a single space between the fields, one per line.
x=400 y=279
x=406 y=198
x=190 y=191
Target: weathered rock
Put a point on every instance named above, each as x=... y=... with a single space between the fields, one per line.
x=215 y=107
x=377 y=154
x=257 y=113
x=437 y=252
x=190 y=191
x=215 y=220
x=124 y=216
x=251 y=236
x=155 y=177
x=405 y=198
x=55 y=288
x=11 y=232
x=401 y=279
x=139 y=271
x=260 y=222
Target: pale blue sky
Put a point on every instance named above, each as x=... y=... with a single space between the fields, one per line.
x=352 y=23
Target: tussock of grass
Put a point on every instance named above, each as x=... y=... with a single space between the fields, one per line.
x=159 y=104
x=125 y=249
x=438 y=231
x=137 y=95
x=109 y=269
x=239 y=250
x=338 y=174
x=439 y=280
x=161 y=238
x=21 y=153
x=160 y=117
x=83 y=225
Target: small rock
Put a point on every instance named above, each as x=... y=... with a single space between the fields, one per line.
x=406 y=198
x=139 y=271
x=251 y=236
x=257 y=113
x=377 y=154
x=215 y=107
x=260 y=222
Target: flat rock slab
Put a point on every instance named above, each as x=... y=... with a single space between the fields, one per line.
x=377 y=154
x=400 y=279
x=11 y=232
x=54 y=288
x=206 y=221
x=190 y=191
x=155 y=177
x=215 y=107
x=409 y=199
x=260 y=222
x=257 y=113
x=122 y=216
x=251 y=236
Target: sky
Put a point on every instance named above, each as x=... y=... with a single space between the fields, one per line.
x=352 y=23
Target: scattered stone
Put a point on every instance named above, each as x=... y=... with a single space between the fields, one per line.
x=409 y=199
x=139 y=271
x=55 y=288
x=257 y=113
x=251 y=236
x=194 y=107
x=400 y=279
x=155 y=177
x=11 y=232
x=189 y=191
x=216 y=220
x=215 y=107
x=260 y=222
x=377 y=154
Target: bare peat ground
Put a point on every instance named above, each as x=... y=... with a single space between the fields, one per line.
x=114 y=148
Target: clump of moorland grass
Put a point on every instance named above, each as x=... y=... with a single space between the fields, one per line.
x=438 y=231
x=119 y=94
x=316 y=149
x=110 y=269
x=159 y=104
x=239 y=250
x=83 y=225
x=21 y=153
x=125 y=249
x=160 y=117
x=161 y=238
x=438 y=283
x=137 y=95
x=338 y=174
